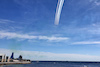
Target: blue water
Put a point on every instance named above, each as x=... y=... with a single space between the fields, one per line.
x=55 y=64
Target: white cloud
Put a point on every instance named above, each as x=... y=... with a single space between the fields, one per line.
x=10 y=35
x=36 y=55
x=96 y=2
x=5 y=21
x=88 y=42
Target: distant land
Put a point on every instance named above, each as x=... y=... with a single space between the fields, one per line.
x=70 y=61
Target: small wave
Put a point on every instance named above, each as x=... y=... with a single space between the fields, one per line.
x=85 y=66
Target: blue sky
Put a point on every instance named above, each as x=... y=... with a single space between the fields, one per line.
x=28 y=26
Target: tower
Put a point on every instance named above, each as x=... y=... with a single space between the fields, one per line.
x=12 y=56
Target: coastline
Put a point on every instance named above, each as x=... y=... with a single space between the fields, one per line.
x=9 y=63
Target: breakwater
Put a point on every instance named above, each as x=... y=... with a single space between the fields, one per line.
x=9 y=63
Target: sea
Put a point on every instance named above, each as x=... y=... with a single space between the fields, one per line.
x=56 y=64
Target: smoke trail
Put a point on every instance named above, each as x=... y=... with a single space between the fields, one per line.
x=58 y=11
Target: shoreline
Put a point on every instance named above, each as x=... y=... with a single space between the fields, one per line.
x=10 y=63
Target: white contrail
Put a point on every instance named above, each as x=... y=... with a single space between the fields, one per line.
x=58 y=11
